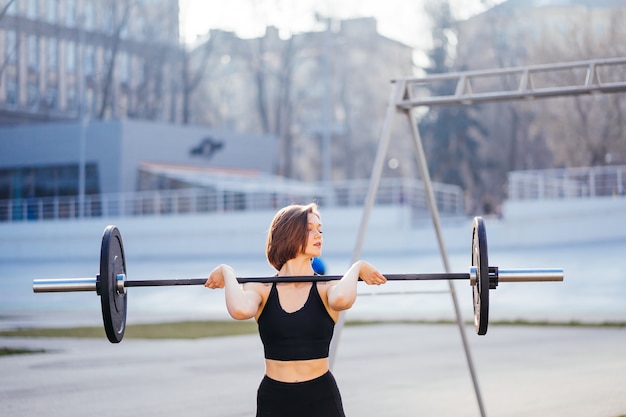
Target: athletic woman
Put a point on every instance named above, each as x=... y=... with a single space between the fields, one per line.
x=295 y=320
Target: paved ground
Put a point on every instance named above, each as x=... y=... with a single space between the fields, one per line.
x=383 y=371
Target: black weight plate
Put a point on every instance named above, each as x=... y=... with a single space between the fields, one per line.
x=481 y=289
x=112 y=263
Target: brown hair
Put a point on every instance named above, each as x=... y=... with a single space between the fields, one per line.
x=288 y=233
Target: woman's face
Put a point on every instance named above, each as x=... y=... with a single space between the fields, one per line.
x=314 y=238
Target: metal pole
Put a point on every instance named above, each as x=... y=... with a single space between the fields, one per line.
x=377 y=171
x=434 y=212
x=82 y=118
x=82 y=147
x=328 y=103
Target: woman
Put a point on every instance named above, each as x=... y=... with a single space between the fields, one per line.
x=296 y=320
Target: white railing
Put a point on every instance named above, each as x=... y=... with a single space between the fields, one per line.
x=392 y=191
x=600 y=181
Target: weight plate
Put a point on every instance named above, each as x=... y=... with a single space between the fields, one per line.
x=112 y=263
x=481 y=289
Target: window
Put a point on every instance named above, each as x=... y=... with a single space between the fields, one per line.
x=33 y=53
x=109 y=21
x=90 y=16
x=123 y=67
x=89 y=61
x=32 y=9
x=70 y=13
x=12 y=8
x=52 y=10
x=47 y=181
x=52 y=53
x=52 y=97
x=32 y=94
x=12 y=92
x=70 y=57
x=71 y=98
x=12 y=50
x=139 y=27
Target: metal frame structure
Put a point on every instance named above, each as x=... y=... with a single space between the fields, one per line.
x=408 y=94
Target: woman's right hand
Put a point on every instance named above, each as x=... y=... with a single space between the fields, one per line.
x=241 y=304
x=216 y=277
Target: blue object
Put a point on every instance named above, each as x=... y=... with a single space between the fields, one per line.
x=318 y=266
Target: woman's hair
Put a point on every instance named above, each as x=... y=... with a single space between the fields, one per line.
x=288 y=233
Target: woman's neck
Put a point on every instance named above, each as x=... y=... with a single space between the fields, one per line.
x=298 y=266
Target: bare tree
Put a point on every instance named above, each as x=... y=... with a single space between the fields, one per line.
x=453 y=135
x=284 y=108
x=3 y=12
x=272 y=65
x=193 y=75
x=585 y=130
x=6 y=8
x=511 y=143
x=118 y=13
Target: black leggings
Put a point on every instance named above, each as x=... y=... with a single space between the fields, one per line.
x=318 y=397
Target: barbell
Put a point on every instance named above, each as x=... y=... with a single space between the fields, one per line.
x=111 y=283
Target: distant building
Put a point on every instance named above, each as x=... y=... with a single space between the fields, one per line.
x=105 y=58
x=43 y=160
x=309 y=108
x=323 y=94
x=509 y=33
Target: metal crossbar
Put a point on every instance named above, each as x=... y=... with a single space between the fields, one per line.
x=534 y=81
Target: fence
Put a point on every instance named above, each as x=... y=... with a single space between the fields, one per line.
x=392 y=191
x=601 y=181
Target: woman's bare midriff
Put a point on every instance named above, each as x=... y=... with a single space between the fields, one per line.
x=295 y=371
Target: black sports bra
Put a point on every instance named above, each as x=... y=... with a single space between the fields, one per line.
x=301 y=335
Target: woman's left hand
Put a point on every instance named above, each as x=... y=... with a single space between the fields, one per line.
x=370 y=275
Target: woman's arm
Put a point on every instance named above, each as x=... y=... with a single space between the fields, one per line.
x=342 y=294
x=241 y=304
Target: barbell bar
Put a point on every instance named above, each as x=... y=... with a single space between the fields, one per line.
x=91 y=284
x=111 y=283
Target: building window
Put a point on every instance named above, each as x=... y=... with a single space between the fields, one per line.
x=12 y=50
x=32 y=9
x=52 y=10
x=56 y=186
x=32 y=94
x=12 y=8
x=108 y=25
x=90 y=15
x=12 y=92
x=139 y=27
x=89 y=61
x=123 y=68
x=52 y=97
x=52 y=53
x=70 y=99
x=70 y=13
x=33 y=53
x=70 y=57
x=63 y=180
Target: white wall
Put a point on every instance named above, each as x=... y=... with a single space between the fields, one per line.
x=390 y=230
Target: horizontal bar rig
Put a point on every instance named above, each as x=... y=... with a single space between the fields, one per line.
x=531 y=82
x=501 y=275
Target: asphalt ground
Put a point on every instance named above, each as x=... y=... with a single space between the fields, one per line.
x=391 y=370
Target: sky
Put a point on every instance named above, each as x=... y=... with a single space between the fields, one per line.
x=401 y=20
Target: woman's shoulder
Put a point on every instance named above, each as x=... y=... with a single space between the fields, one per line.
x=263 y=288
x=323 y=286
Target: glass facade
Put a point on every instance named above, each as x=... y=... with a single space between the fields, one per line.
x=46 y=181
x=46 y=192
